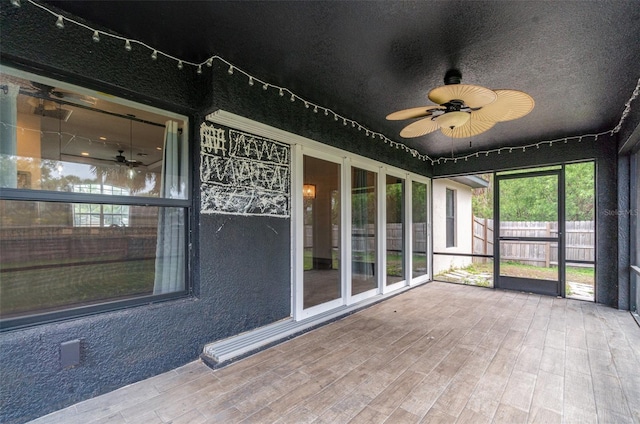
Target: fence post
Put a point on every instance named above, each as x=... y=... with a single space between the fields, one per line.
x=485 y=241
x=547 y=250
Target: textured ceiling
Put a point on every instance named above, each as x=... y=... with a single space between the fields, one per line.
x=580 y=61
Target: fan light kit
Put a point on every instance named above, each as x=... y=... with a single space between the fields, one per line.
x=463 y=110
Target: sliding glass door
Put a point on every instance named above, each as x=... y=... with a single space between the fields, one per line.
x=321 y=222
x=359 y=231
x=395 y=259
x=364 y=238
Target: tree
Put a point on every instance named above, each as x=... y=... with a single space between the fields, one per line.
x=535 y=199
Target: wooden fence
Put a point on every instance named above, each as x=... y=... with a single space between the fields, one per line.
x=580 y=241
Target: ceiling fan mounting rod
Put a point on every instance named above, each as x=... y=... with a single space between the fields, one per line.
x=453 y=76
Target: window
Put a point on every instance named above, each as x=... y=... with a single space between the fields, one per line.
x=93 y=204
x=363 y=231
x=395 y=229
x=451 y=218
x=419 y=229
x=91 y=215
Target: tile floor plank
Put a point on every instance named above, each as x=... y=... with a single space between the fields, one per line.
x=440 y=353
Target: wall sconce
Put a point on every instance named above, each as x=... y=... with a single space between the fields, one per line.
x=309 y=191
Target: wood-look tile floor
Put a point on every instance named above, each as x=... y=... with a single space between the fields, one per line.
x=440 y=353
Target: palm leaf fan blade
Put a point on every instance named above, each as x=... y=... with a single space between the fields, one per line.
x=419 y=128
x=472 y=95
x=510 y=104
x=414 y=112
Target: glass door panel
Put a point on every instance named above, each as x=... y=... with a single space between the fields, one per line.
x=363 y=231
x=529 y=233
x=580 y=231
x=395 y=229
x=321 y=212
x=529 y=259
x=419 y=215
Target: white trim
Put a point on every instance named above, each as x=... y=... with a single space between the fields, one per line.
x=409 y=229
x=297 y=232
x=429 y=245
x=345 y=235
x=381 y=230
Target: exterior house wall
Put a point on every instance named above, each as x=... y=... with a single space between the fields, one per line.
x=240 y=271
x=464 y=228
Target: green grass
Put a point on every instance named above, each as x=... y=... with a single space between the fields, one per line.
x=52 y=288
x=582 y=275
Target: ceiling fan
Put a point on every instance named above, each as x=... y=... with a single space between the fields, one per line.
x=463 y=110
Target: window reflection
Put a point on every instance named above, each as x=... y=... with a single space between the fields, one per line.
x=55 y=139
x=321 y=231
x=363 y=231
x=419 y=227
x=395 y=229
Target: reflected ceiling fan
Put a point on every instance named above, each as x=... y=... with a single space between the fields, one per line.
x=47 y=92
x=121 y=159
x=463 y=110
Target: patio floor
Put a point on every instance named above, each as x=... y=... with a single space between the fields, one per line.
x=440 y=353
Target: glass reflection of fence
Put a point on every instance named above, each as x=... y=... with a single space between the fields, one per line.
x=579 y=237
x=363 y=238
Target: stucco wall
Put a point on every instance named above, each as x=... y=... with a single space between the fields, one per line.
x=464 y=228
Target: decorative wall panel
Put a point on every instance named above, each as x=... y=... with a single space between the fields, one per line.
x=243 y=174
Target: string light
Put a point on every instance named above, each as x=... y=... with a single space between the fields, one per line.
x=281 y=92
x=293 y=98
x=60 y=23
